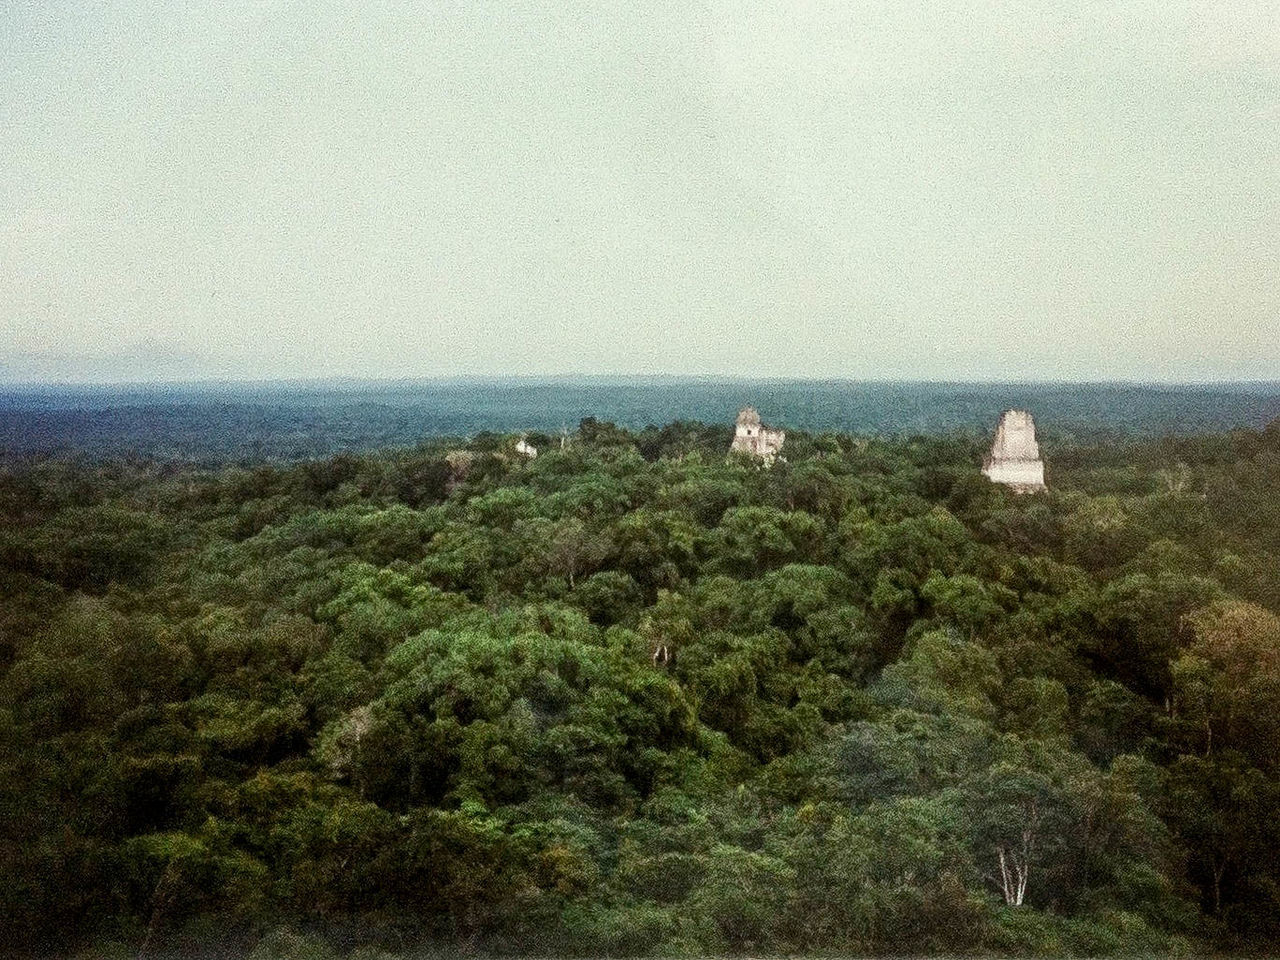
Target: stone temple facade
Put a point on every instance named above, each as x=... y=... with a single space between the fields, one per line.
x=1015 y=455
x=753 y=437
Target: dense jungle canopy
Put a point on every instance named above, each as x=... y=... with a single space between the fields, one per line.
x=635 y=697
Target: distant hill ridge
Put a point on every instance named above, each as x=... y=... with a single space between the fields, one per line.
x=291 y=420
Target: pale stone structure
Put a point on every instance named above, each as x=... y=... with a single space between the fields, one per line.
x=753 y=437
x=1015 y=455
x=526 y=449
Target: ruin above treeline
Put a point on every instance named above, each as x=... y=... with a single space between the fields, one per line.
x=1014 y=460
x=752 y=437
x=1015 y=456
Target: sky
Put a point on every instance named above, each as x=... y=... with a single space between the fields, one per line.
x=909 y=189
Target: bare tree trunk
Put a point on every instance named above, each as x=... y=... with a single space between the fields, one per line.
x=1013 y=877
x=1015 y=867
x=1006 y=887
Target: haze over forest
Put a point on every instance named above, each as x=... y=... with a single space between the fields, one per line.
x=929 y=190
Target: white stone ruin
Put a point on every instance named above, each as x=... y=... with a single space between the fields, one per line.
x=753 y=437
x=1015 y=455
x=526 y=449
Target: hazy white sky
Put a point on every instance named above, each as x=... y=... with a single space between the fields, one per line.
x=1030 y=189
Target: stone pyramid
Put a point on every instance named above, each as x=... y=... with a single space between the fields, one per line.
x=1015 y=455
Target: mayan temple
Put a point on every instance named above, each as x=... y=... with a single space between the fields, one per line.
x=753 y=437
x=1015 y=455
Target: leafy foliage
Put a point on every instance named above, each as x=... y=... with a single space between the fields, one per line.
x=634 y=696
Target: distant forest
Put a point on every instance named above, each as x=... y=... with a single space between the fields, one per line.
x=253 y=422
x=637 y=697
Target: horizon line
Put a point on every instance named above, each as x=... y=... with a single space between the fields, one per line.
x=457 y=378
